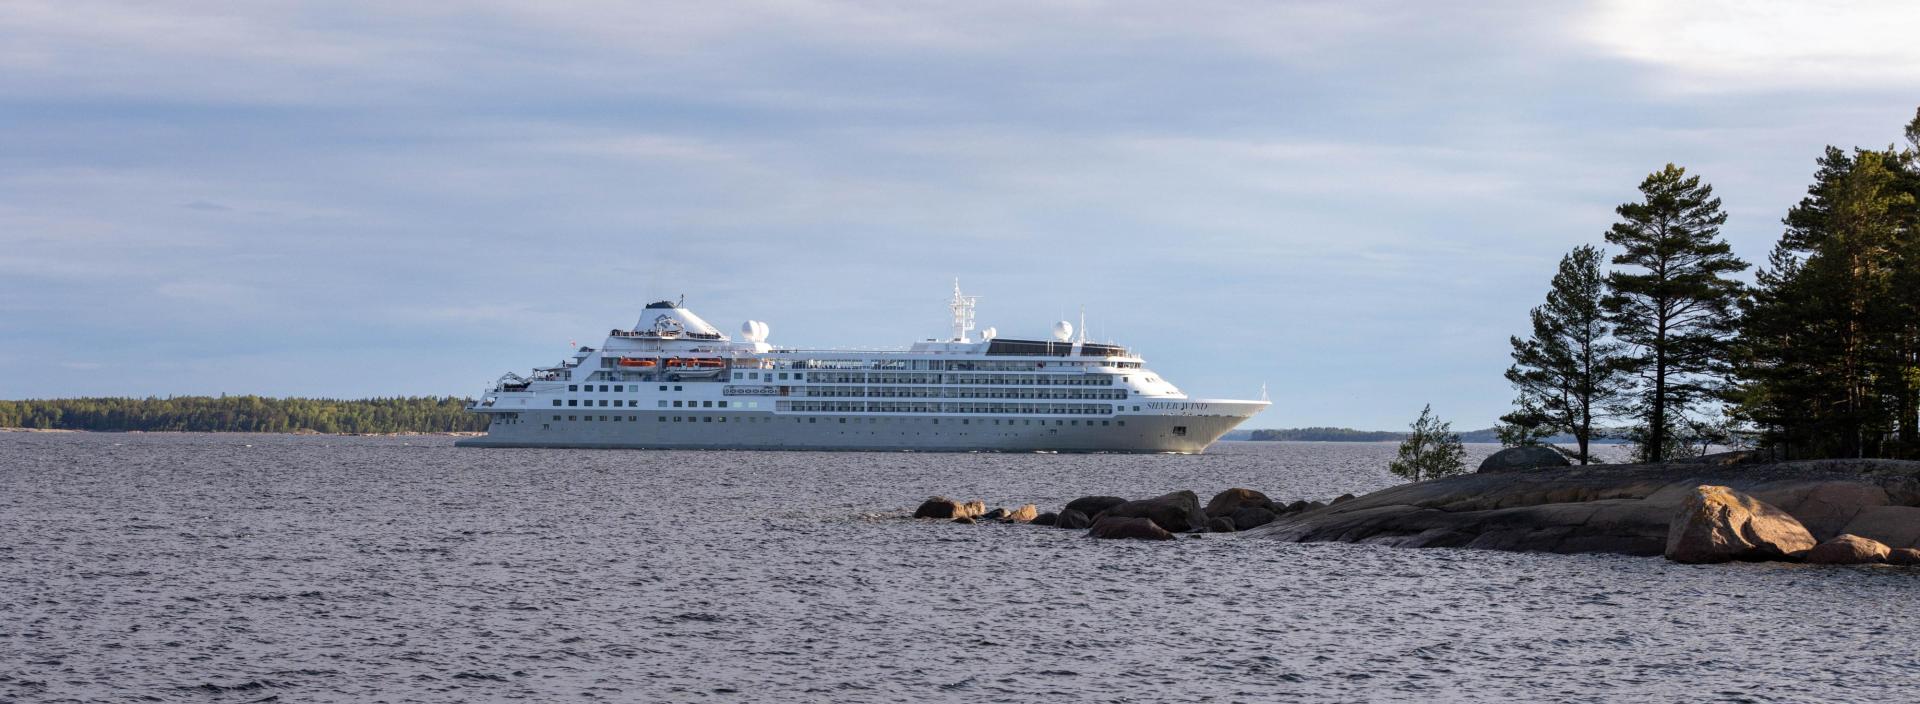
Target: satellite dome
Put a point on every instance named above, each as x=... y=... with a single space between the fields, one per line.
x=1063 y=331
x=754 y=331
x=989 y=334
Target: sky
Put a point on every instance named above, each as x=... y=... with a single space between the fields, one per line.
x=1352 y=203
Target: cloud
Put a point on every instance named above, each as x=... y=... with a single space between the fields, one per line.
x=1729 y=46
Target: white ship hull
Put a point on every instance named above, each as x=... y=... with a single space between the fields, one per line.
x=953 y=433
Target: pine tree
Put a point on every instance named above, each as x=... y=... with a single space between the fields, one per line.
x=1677 y=309
x=1828 y=340
x=1431 y=451
x=1568 y=371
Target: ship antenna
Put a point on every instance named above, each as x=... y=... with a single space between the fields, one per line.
x=962 y=307
x=1083 y=323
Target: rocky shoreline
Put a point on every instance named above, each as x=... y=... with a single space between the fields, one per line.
x=1720 y=508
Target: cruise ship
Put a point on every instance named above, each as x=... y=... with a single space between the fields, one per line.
x=673 y=381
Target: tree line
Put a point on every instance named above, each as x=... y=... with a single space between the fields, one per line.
x=1818 y=357
x=245 y=414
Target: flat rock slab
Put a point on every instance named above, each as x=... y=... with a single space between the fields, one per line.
x=1624 y=509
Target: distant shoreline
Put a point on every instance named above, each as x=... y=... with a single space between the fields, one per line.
x=446 y=433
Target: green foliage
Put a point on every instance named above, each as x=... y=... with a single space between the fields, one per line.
x=1675 y=303
x=244 y=414
x=1324 y=434
x=1526 y=426
x=1568 y=372
x=1830 y=345
x=1431 y=451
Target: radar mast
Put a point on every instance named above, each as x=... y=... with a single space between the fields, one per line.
x=962 y=307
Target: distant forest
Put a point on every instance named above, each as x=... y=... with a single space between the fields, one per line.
x=244 y=414
x=1324 y=434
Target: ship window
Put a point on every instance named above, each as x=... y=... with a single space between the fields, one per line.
x=676 y=387
x=723 y=419
x=723 y=404
x=1122 y=422
x=676 y=419
x=737 y=375
x=663 y=387
x=573 y=417
x=573 y=387
x=813 y=420
x=706 y=419
x=753 y=375
x=556 y=402
x=783 y=375
x=603 y=387
x=619 y=389
x=843 y=421
x=676 y=404
x=663 y=403
x=603 y=403
x=1106 y=422
x=663 y=419
x=573 y=402
x=706 y=404
x=1059 y=422
x=1180 y=430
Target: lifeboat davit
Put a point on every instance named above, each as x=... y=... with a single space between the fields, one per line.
x=636 y=362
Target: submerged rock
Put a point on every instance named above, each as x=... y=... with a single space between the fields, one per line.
x=938 y=507
x=1848 y=550
x=1220 y=525
x=1177 y=512
x=1718 y=524
x=964 y=519
x=1125 y=528
x=1340 y=498
x=997 y=513
x=1522 y=459
x=1093 y=505
x=1072 y=519
x=1903 y=556
x=1231 y=500
x=1046 y=519
x=1252 y=517
x=974 y=509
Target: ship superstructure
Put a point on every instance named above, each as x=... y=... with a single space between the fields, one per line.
x=673 y=381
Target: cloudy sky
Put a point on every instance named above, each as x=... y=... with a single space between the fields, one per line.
x=1354 y=203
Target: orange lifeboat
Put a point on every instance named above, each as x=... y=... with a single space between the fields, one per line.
x=636 y=362
x=709 y=363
